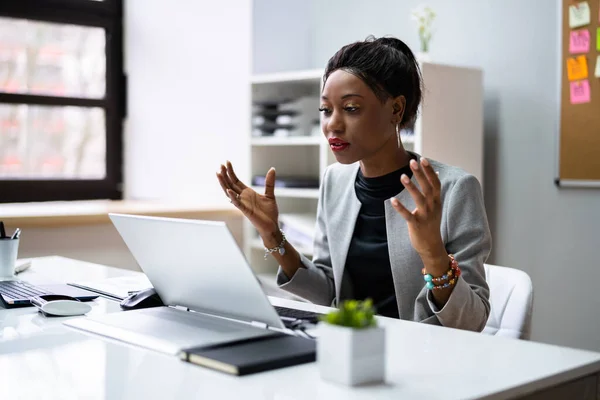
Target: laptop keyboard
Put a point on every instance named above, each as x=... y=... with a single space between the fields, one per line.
x=298 y=314
x=18 y=290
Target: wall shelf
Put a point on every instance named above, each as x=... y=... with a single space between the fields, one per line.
x=291 y=192
x=287 y=141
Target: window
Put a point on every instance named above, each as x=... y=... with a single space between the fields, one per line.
x=62 y=100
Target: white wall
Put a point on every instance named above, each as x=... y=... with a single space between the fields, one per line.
x=189 y=98
x=281 y=36
x=551 y=234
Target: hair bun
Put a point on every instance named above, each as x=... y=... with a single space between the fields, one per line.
x=396 y=44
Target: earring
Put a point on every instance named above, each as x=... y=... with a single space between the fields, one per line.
x=398 y=134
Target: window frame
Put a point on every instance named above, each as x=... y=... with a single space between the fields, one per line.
x=107 y=14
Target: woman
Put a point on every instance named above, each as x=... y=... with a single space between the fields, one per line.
x=391 y=225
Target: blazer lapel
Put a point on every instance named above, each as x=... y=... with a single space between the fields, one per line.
x=342 y=218
x=400 y=249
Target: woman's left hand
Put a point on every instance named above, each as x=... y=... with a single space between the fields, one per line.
x=425 y=220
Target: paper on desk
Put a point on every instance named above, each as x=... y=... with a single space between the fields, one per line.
x=118 y=287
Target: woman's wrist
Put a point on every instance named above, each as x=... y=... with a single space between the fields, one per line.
x=436 y=262
x=436 y=267
x=272 y=237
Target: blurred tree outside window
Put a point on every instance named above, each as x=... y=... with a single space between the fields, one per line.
x=61 y=99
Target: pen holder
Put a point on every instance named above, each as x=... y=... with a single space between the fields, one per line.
x=9 y=248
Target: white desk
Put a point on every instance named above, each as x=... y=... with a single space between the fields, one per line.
x=41 y=358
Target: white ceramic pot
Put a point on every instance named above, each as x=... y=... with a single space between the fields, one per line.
x=351 y=356
x=423 y=57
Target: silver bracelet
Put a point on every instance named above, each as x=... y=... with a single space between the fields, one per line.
x=279 y=248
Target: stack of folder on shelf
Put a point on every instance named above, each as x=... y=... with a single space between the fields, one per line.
x=270 y=120
x=284 y=117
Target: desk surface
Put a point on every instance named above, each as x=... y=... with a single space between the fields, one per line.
x=40 y=357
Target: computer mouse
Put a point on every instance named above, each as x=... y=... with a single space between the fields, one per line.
x=60 y=306
x=143 y=299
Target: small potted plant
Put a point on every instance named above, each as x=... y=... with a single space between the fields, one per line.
x=351 y=346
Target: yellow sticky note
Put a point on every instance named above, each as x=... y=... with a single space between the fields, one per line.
x=579 y=14
x=577 y=68
x=597 y=71
x=598 y=39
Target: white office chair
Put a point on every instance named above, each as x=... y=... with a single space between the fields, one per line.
x=511 y=299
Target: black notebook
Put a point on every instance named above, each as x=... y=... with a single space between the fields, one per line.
x=254 y=355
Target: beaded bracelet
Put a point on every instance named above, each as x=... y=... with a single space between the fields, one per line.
x=449 y=278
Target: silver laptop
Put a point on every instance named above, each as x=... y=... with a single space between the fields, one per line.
x=195 y=265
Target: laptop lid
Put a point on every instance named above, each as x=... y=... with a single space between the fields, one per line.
x=196 y=264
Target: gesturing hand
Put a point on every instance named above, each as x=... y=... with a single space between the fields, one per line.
x=261 y=210
x=424 y=221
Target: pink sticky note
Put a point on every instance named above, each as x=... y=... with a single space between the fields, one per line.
x=580 y=92
x=579 y=41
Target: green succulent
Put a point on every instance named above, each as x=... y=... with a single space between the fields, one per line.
x=352 y=314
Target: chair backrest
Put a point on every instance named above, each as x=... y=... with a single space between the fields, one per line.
x=511 y=299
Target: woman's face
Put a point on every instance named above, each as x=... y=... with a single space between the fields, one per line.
x=355 y=122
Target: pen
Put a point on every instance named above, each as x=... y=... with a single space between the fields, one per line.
x=2 y=231
x=22 y=267
x=16 y=234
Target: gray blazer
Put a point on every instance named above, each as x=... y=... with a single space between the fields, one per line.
x=464 y=229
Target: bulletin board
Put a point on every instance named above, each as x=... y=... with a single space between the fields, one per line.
x=579 y=138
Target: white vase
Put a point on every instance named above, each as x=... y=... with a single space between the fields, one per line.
x=351 y=356
x=423 y=57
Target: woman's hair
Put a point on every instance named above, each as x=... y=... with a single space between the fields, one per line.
x=387 y=66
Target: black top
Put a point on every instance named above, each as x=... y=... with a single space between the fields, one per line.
x=368 y=263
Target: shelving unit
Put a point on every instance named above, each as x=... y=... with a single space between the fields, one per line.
x=449 y=128
x=302 y=154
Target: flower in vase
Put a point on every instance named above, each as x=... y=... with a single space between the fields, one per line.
x=424 y=16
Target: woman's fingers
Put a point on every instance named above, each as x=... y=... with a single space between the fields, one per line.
x=222 y=183
x=227 y=178
x=270 y=184
x=414 y=191
x=432 y=176
x=408 y=216
x=235 y=199
x=424 y=183
x=239 y=185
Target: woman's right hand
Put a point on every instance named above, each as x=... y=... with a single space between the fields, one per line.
x=261 y=210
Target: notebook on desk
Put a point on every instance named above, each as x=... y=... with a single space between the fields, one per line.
x=252 y=356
